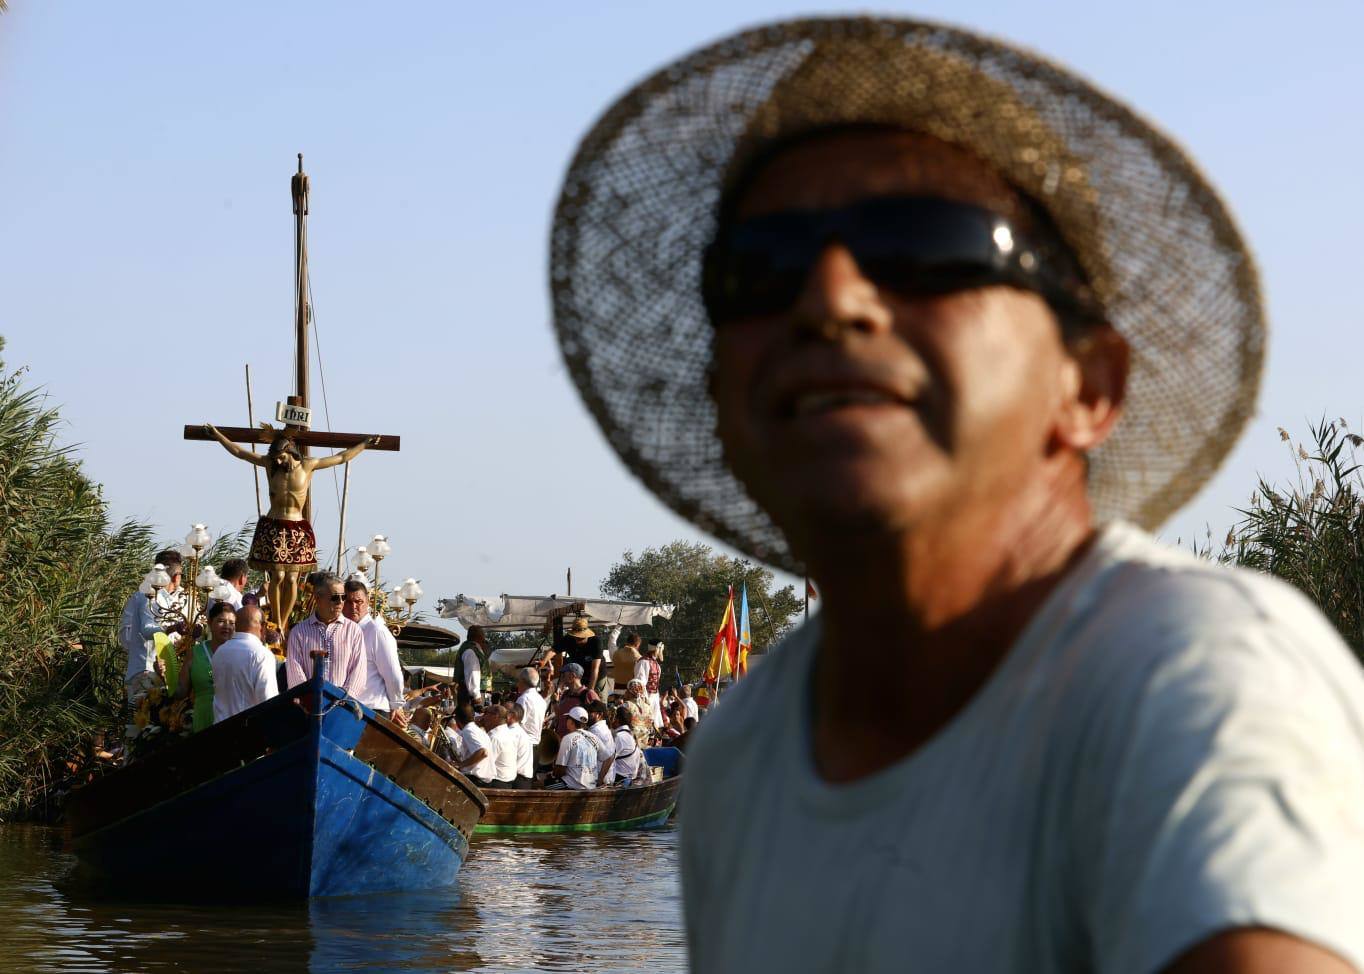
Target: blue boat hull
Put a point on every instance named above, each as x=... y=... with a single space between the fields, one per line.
x=304 y=818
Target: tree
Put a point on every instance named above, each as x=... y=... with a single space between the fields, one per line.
x=694 y=579
x=65 y=573
x=1310 y=533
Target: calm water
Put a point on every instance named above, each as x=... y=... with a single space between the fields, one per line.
x=583 y=903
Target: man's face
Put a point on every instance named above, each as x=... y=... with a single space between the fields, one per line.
x=356 y=605
x=327 y=601
x=858 y=409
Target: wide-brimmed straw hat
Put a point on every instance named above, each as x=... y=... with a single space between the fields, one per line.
x=639 y=206
x=580 y=629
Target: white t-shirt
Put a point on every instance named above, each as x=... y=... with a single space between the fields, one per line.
x=473 y=676
x=456 y=740
x=692 y=710
x=578 y=755
x=1169 y=750
x=504 y=764
x=606 y=744
x=534 y=718
x=629 y=756
x=525 y=751
x=243 y=675
x=476 y=737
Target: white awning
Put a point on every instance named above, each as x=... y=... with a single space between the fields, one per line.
x=533 y=612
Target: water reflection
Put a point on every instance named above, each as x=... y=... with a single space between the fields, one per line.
x=567 y=903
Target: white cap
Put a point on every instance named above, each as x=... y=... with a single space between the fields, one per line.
x=578 y=714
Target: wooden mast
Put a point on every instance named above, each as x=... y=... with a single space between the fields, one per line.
x=299 y=188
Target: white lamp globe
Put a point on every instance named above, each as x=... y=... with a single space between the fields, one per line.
x=207 y=577
x=198 y=537
x=379 y=548
x=187 y=551
x=222 y=592
x=363 y=559
x=158 y=577
x=411 y=591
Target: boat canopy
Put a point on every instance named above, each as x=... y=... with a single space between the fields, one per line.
x=512 y=613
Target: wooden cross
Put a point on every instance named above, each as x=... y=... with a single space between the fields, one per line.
x=339 y=441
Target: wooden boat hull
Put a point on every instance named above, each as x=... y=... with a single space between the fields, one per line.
x=604 y=810
x=283 y=801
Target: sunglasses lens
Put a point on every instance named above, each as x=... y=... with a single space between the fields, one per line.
x=909 y=245
x=337 y=599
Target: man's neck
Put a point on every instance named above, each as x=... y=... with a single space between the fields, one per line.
x=943 y=602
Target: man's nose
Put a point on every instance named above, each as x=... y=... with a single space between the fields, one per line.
x=839 y=298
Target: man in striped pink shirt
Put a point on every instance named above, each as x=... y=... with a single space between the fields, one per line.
x=328 y=630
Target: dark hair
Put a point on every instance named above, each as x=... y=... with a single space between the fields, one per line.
x=171 y=560
x=221 y=609
x=233 y=569
x=517 y=711
x=631 y=639
x=464 y=713
x=284 y=443
x=355 y=585
x=689 y=723
x=596 y=707
x=496 y=712
x=623 y=716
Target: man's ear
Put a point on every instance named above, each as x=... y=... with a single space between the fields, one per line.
x=1094 y=388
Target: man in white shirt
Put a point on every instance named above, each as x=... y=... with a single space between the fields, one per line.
x=478 y=748
x=575 y=767
x=931 y=273
x=469 y=666
x=629 y=767
x=689 y=704
x=525 y=749
x=234 y=572
x=533 y=705
x=605 y=742
x=383 y=692
x=243 y=669
x=505 y=746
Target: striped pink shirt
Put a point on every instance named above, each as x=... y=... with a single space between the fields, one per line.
x=344 y=642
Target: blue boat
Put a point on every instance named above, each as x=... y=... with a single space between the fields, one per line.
x=308 y=794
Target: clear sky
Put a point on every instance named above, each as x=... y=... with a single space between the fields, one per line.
x=146 y=239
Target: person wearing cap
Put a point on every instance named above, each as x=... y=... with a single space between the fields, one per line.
x=575 y=766
x=939 y=324
x=572 y=693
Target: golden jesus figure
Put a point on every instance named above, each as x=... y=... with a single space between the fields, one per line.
x=284 y=545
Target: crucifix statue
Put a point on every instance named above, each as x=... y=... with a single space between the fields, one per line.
x=284 y=545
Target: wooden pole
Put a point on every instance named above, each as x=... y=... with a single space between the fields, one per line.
x=251 y=422
x=570 y=582
x=341 y=539
x=299 y=189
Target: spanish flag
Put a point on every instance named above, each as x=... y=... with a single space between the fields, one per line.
x=724 y=655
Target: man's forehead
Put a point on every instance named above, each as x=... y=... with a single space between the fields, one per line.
x=842 y=166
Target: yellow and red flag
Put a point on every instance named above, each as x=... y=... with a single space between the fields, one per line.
x=724 y=655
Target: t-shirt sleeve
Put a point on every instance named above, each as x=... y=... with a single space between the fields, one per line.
x=1234 y=798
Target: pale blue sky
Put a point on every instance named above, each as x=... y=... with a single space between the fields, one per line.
x=145 y=238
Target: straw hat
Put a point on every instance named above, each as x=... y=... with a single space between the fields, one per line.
x=580 y=630
x=638 y=207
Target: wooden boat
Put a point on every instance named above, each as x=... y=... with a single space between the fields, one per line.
x=307 y=794
x=602 y=810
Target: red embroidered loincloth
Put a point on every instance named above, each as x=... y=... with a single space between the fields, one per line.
x=279 y=543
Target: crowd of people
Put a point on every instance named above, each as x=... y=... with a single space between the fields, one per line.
x=581 y=716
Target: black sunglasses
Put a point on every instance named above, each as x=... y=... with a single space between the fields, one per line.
x=336 y=597
x=911 y=245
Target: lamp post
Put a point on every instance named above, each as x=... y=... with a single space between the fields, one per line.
x=378 y=549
